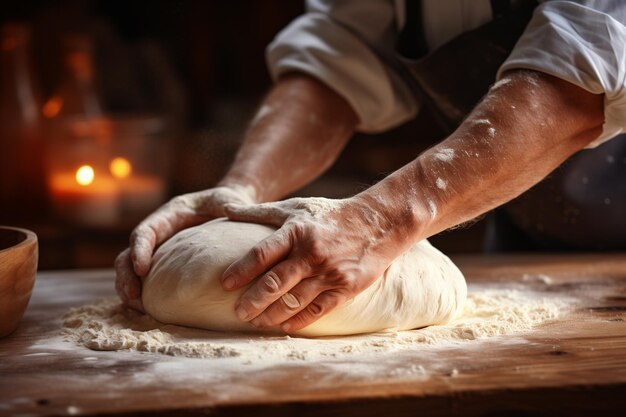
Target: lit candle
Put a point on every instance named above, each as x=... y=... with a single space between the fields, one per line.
x=140 y=193
x=85 y=198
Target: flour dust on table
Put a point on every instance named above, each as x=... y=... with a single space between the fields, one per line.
x=489 y=312
x=191 y=316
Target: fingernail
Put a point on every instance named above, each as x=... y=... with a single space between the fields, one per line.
x=257 y=322
x=286 y=327
x=241 y=312
x=229 y=282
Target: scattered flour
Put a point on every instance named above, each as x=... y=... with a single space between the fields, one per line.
x=480 y=122
x=107 y=325
x=318 y=206
x=444 y=155
x=432 y=208
x=265 y=110
x=502 y=82
x=441 y=184
x=539 y=278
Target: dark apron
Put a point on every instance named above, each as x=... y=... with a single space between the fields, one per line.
x=582 y=204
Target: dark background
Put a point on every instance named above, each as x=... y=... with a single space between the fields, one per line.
x=212 y=55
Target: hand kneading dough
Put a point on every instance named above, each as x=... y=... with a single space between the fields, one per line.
x=420 y=288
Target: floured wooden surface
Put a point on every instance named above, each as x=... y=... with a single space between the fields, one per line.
x=41 y=373
x=490 y=310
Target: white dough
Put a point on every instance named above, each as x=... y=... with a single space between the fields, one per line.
x=422 y=287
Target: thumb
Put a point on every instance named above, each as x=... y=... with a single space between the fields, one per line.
x=127 y=284
x=267 y=213
x=159 y=227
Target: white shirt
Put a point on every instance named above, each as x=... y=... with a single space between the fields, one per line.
x=350 y=46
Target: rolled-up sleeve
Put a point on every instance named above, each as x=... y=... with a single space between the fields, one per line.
x=583 y=43
x=349 y=46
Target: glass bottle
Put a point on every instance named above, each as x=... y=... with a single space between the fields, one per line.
x=22 y=182
x=77 y=94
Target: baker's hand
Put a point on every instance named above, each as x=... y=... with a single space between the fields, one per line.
x=179 y=213
x=324 y=253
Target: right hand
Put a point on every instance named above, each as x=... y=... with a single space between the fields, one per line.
x=179 y=213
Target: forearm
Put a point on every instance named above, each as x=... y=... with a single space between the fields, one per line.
x=298 y=132
x=518 y=134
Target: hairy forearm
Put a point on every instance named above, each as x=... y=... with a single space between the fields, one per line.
x=298 y=132
x=524 y=128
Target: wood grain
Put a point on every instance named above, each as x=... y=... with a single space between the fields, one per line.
x=575 y=366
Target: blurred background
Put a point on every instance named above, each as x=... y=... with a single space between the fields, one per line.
x=110 y=108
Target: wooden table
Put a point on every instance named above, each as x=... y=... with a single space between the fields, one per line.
x=576 y=366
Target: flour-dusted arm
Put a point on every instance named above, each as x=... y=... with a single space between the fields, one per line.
x=327 y=251
x=581 y=42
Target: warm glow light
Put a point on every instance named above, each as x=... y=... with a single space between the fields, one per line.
x=85 y=175
x=120 y=167
x=52 y=107
x=8 y=44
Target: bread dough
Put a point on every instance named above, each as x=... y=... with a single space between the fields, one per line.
x=422 y=287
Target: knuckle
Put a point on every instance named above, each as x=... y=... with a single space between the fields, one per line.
x=297 y=229
x=293 y=203
x=259 y=254
x=290 y=269
x=301 y=320
x=316 y=308
x=339 y=278
x=143 y=231
x=271 y=282
x=347 y=282
x=134 y=235
x=291 y=301
x=186 y=202
x=179 y=200
x=317 y=254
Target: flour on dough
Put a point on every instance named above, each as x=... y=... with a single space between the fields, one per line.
x=420 y=288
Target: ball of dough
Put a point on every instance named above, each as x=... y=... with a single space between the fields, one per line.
x=422 y=287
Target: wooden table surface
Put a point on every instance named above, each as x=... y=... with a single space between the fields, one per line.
x=575 y=366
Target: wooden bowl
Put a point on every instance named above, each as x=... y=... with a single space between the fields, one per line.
x=18 y=267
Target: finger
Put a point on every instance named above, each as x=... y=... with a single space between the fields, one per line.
x=269 y=288
x=257 y=260
x=266 y=213
x=157 y=228
x=290 y=303
x=127 y=284
x=323 y=304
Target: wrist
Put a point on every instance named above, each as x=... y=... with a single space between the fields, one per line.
x=406 y=217
x=247 y=189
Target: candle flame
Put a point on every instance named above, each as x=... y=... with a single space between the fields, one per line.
x=52 y=107
x=120 y=167
x=85 y=175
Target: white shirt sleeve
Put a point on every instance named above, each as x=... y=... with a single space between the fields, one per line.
x=349 y=46
x=582 y=45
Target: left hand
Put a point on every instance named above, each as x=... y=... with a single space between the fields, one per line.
x=324 y=253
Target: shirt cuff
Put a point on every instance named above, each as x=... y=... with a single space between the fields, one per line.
x=582 y=46
x=318 y=46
